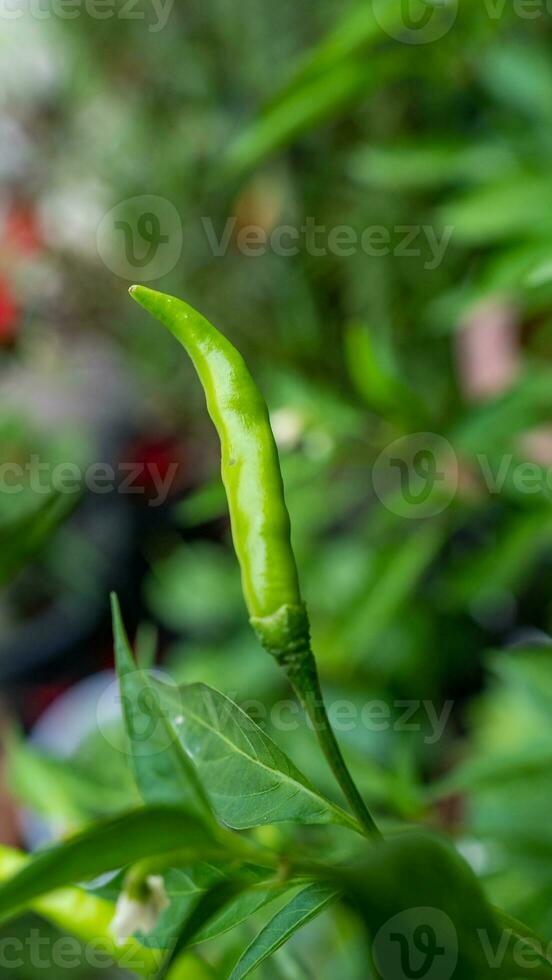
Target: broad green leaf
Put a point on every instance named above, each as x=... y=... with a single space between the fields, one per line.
x=249 y=780
x=106 y=846
x=163 y=771
x=419 y=901
x=85 y=916
x=310 y=902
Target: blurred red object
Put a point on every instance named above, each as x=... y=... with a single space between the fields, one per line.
x=22 y=230
x=160 y=466
x=9 y=313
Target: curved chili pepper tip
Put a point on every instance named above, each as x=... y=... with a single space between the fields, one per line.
x=250 y=471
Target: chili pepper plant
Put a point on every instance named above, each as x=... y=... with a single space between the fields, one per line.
x=227 y=838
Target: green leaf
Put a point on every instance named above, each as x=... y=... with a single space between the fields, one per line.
x=208 y=503
x=242 y=907
x=357 y=29
x=209 y=905
x=384 y=591
x=84 y=915
x=417 y=882
x=21 y=539
x=305 y=106
x=61 y=789
x=249 y=780
x=519 y=75
x=518 y=205
x=310 y=902
x=374 y=372
x=106 y=846
x=163 y=771
x=184 y=886
x=183 y=585
x=190 y=967
x=429 y=164
x=529 y=939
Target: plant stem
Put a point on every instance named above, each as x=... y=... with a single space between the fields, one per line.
x=306 y=683
x=286 y=636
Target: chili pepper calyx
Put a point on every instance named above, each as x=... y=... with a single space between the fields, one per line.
x=285 y=634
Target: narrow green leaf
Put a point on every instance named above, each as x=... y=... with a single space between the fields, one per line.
x=184 y=886
x=521 y=933
x=209 y=905
x=316 y=100
x=249 y=780
x=106 y=846
x=162 y=769
x=23 y=538
x=242 y=907
x=309 y=903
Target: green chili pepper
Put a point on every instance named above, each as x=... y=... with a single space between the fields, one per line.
x=258 y=513
x=250 y=472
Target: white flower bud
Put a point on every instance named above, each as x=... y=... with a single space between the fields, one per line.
x=135 y=915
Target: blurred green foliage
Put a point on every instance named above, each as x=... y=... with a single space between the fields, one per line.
x=270 y=114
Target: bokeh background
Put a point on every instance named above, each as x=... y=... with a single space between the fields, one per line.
x=402 y=156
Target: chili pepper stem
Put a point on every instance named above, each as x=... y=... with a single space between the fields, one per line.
x=258 y=514
x=309 y=691
x=286 y=636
